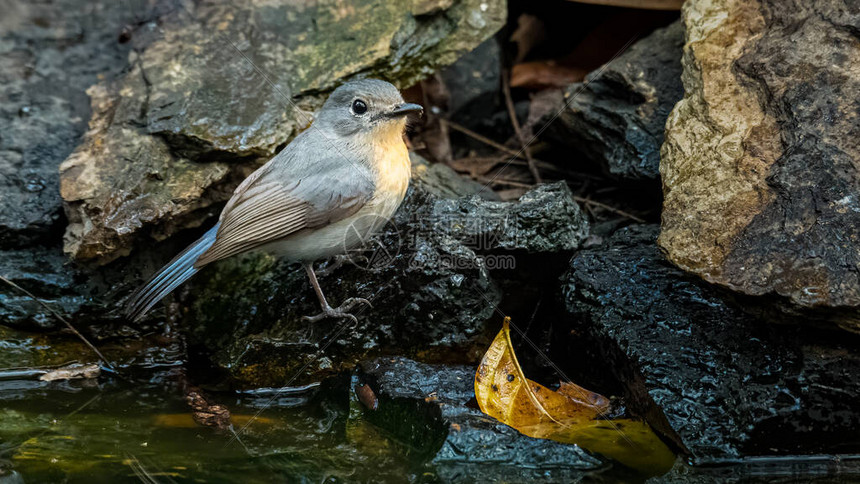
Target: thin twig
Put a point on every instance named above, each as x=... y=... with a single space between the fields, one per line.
x=61 y=318
x=587 y=201
x=479 y=137
x=540 y=164
x=604 y=206
x=503 y=181
x=572 y=98
x=534 y=314
x=512 y=113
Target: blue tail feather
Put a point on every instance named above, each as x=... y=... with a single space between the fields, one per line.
x=177 y=271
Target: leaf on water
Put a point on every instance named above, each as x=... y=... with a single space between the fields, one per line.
x=72 y=372
x=569 y=415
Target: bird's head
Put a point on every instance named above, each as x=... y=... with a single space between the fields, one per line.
x=364 y=107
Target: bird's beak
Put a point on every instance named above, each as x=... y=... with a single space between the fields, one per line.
x=405 y=109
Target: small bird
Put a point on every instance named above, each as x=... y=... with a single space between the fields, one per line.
x=334 y=184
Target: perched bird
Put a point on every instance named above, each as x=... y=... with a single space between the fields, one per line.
x=335 y=183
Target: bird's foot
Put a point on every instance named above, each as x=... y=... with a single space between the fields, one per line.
x=340 y=312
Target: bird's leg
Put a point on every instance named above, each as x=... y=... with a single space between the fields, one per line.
x=341 y=311
x=335 y=264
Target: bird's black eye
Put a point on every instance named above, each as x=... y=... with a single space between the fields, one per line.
x=359 y=107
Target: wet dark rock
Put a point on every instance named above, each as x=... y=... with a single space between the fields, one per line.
x=617 y=116
x=545 y=219
x=50 y=53
x=436 y=400
x=446 y=183
x=794 y=468
x=719 y=382
x=759 y=167
x=429 y=281
x=33 y=360
x=43 y=273
x=474 y=84
x=206 y=98
x=88 y=297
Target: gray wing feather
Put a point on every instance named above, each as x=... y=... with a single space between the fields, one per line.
x=285 y=196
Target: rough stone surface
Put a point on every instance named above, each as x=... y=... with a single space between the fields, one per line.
x=214 y=87
x=545 y=219
x=474 y=83
x=617 y=116
x=50 y=53
x=717 y=381
x=86 y=297
x=414 y=395
x=760 y=165
x=41 y=272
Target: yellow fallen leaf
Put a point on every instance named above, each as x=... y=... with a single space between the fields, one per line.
x=569 y=415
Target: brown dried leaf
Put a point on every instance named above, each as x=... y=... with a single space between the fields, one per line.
x=643 y=4
x=503 y=392
x=434 y=134
x=530 y=33
x=544 y=74
x=569 y=415
x=208 y=414
x=475 y=166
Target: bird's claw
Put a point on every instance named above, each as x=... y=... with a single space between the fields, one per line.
x=340 y=312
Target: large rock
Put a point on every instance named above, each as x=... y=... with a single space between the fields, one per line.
x=50 y=53
x=88 y=297
x=720 y=383
x=473 y=84
x=429 y=282
x=427 y=407
x=617 y=116
x=213 y=91
x=760 y=165
x=41 y=272
x=545 y=219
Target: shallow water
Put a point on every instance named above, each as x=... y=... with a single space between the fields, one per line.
x=138 y=427
x=116 y=430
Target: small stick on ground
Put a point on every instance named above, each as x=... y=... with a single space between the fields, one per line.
x=587 y=201
x=61 y=318
x=612 y=209
x=512 y=113
x=502 y=181
x=483 y=139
